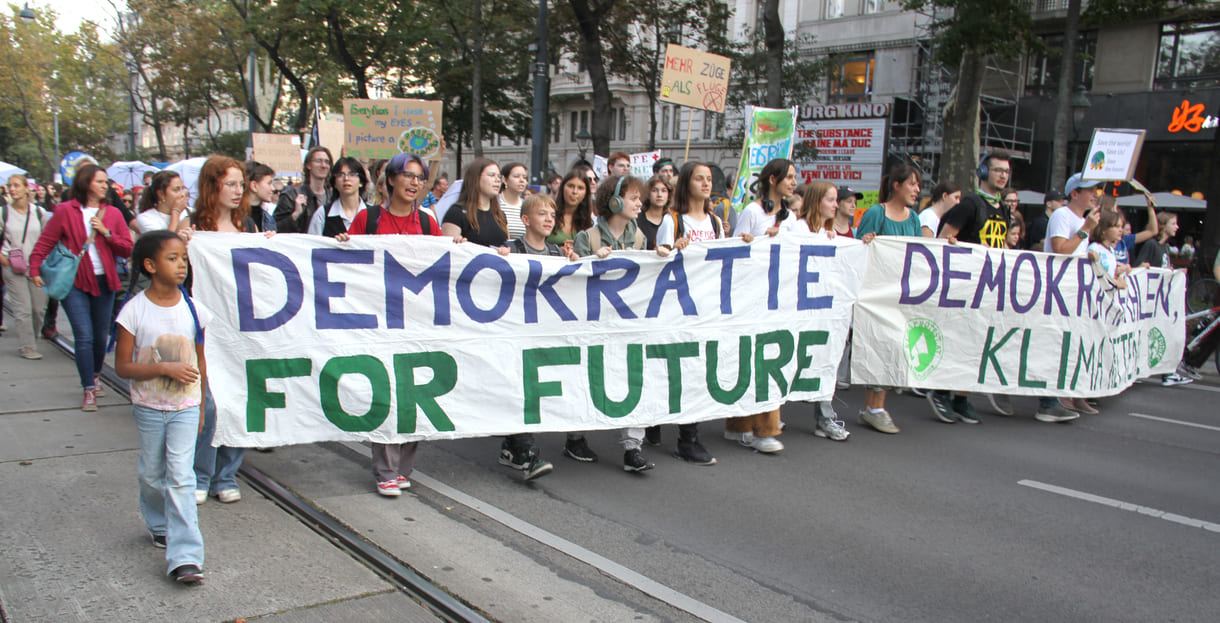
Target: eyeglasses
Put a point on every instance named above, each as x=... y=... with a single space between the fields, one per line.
x=414 y=177
x=317 y=161
x=998 y=170
x=348 y=174
x=1012 y=201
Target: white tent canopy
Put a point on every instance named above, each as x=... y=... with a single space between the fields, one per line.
x=7 y=169
x=189 y=170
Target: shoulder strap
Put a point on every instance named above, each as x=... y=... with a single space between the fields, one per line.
x=92 y=232
x=425 y=222
x=194 y=314
x=370 y=220
x=679 y=227
x=717 y=225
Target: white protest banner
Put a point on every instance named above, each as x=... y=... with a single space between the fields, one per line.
x=397 y=338
x=1113 y=154
x=965 y=317
x=601 y=167
x=641 y=163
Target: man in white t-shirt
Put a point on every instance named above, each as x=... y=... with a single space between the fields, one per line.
x=1067 y=231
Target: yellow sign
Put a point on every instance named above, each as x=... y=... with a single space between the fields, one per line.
x=375 y=129
x=696 y=79
x=281 y=152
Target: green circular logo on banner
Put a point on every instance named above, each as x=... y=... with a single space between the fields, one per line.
x=925 y=345
x=1156 y=347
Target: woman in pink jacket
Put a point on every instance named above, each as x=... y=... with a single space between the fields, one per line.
x=91 y=299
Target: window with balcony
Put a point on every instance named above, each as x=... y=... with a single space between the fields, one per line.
x=1189 y=56
x=834 y=8
x=1042 y=72
x=851 y=79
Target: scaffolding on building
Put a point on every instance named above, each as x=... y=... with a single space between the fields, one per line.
x=917 y=123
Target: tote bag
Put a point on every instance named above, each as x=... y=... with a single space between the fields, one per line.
x=58 y=270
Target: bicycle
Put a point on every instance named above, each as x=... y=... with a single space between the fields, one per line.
x=1199 y=326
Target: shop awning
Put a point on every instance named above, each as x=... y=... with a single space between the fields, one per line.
x=1164 y=200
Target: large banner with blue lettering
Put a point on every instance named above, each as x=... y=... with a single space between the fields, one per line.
x=398 y=338
x=964 y=317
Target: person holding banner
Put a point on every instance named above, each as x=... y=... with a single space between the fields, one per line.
x=575 y=214
x=405 y=174
x=477 y=216
x=821 y=202
x=618 y=205
x=691 y=220
x=347 y=180
x=845 y=217
x=945 y=196
x=223 y=205
x=297 y=204
x=1102 y=246
x=87 y=220
x=892 y=217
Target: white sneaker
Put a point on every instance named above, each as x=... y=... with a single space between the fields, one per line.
x=831 y=429
x=766 y=445
x=1055 y=414
x=228 y=496
x=880 y=420
x=1171 y=379
x=201 y=496
x=1000 y=403
x=1189 y=371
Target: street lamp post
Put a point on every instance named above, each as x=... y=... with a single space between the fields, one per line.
x=541 y=91
x=583 y=138
x=27 y=14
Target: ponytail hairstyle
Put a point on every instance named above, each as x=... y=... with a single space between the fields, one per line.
x=146 y=247
x=897 y=174
x=160 y=182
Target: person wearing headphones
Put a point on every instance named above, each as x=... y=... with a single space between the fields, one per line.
x=618 y=203
x=980 y=218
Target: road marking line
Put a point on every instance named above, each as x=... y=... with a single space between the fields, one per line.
x=1180 y=422
x=1206 y=388
x=1121 y=505
x=613 y=569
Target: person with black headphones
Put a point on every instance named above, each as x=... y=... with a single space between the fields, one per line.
x=618 y=203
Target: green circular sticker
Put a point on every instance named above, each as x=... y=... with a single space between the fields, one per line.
x=925 y=345
x=1156 y=347
x=421 y=141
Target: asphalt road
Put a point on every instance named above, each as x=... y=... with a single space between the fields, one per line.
x=939 y=523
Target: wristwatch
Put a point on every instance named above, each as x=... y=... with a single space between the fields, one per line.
x=1082 y=234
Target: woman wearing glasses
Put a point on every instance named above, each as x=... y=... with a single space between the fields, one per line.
x=297 y=204
x=347 y=181
x=477 y=215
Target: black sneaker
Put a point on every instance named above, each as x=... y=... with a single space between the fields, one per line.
x=187 y=574
x=508 y=460
x=634 y=461
x=537 y=468
x=158 y=540
x=963 y=410
x=579 y=450
x=694 y=452
x=941 y=406
x=652 y=435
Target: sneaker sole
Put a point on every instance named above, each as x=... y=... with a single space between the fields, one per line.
x=678 y=455
x=538 y=473
x=390 y=493
x=893 y=431
x=937 y=412
x=824 y=435
x=189 y=578
x=89 y=408
x=1054 y=419
x=629 y=468
x=508 y=463
x=995 y=406
x=582 y=459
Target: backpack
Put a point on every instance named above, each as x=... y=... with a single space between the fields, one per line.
x=374 y=215
x=680 y=227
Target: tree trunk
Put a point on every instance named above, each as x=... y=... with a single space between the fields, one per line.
x=338 y=45
x=1063 y=99
x=476 y=79
x=774 y=32
x=589 y=19
x=1211 y=220
x=959 y=154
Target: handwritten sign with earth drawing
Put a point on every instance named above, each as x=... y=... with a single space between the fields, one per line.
x=1113 y=154
x=696 y=79
x=384 y=128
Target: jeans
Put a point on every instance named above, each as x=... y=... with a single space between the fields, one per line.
x=215 y=468
x=167 y=481
x=90 y=319
x=1046 y=403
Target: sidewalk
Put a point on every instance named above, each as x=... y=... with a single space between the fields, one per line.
x=73 y=546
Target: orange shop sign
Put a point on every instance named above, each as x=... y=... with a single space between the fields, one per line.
x=1189 y=117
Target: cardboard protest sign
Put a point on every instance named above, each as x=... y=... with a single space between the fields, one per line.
x=969 y=318
x=281 y=152
x=398 y=338
x=694 y=78
x=769 y=135
x=384 y=128
x=1113 y=154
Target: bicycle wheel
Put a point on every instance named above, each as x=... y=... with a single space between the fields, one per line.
x=1201 y=295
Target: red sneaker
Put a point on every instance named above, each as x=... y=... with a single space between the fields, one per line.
x=403 y=483
x=99 y=390
x=389 y=488
x=90 y=401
